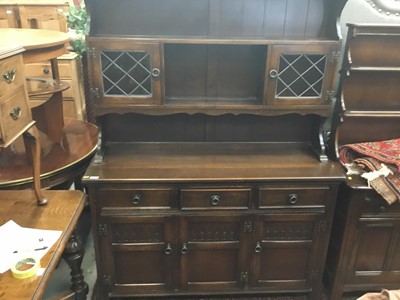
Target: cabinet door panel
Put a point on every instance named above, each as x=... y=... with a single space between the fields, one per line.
x=213 y=252
x=300 y=74
x=376 y=251
x=139 y=253
x=285 y=248
x=126 y=72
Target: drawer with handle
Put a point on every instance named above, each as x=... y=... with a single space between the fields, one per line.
x=12 y=75
x=373 y=204
x=140 y=198
x=215 y=198
x=44 y=70
x=295 y=196
x=15 y=115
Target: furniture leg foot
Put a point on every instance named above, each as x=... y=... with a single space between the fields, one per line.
x=32 y=145
x=73 y=255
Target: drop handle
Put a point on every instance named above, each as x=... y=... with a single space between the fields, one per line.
x=215 y=200
x=293 y=198
x=136 y=199
x=168 y=249
x=184 y=249
x=16 y=113
x=258 y=248
x=9 y=76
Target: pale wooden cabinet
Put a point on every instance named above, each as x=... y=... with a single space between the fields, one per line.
x=48 y=15
x=70 y=71
x=15 y=115
x=8 y=18
x=36 y=14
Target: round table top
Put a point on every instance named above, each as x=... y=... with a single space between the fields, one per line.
x=59 y=161
x=31 y=39
x=39 y=44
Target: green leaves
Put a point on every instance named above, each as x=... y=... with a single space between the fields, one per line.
x=77 y=21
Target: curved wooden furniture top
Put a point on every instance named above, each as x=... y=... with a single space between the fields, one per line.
x=32 y=2
x=39 y=44
x=60 y=162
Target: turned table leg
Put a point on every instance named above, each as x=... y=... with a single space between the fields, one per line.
x=73 y=255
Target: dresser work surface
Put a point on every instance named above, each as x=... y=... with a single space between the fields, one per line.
x=172 y=162
x=175 y=211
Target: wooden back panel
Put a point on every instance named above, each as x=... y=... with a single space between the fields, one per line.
x=214 y=18
x=204 y=128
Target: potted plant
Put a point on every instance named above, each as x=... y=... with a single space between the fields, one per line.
x=77 y=21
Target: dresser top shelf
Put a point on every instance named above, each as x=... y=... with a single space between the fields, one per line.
x=216 y=18
x=216 y=39
x=216 y=162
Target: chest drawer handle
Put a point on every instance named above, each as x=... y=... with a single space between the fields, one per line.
x=46 y=71
x=215 y=200
x=16 y=113
x=292 y=198
x=168 y=249
x=9 y=75
x=136 y=199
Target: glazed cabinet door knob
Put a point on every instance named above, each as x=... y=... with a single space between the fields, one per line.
x=273 y=73
x=155 y=73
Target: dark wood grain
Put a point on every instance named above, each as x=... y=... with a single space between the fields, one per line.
x=367 y=111
x=174 y=162
x=215 y=18
x=197 y=187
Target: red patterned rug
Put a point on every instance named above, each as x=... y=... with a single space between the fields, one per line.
x=378 y=162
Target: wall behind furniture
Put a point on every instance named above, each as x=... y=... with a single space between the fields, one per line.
x=365 y=11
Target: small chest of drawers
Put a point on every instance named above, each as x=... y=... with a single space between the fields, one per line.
x=15 y=114
x=70 y=71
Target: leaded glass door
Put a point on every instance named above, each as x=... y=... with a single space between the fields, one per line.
x=301 y=74
x=130 y=72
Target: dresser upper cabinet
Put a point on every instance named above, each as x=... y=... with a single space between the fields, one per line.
x=234 y=56
x=368 y=108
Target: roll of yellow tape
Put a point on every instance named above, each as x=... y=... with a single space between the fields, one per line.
x=25 y=268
